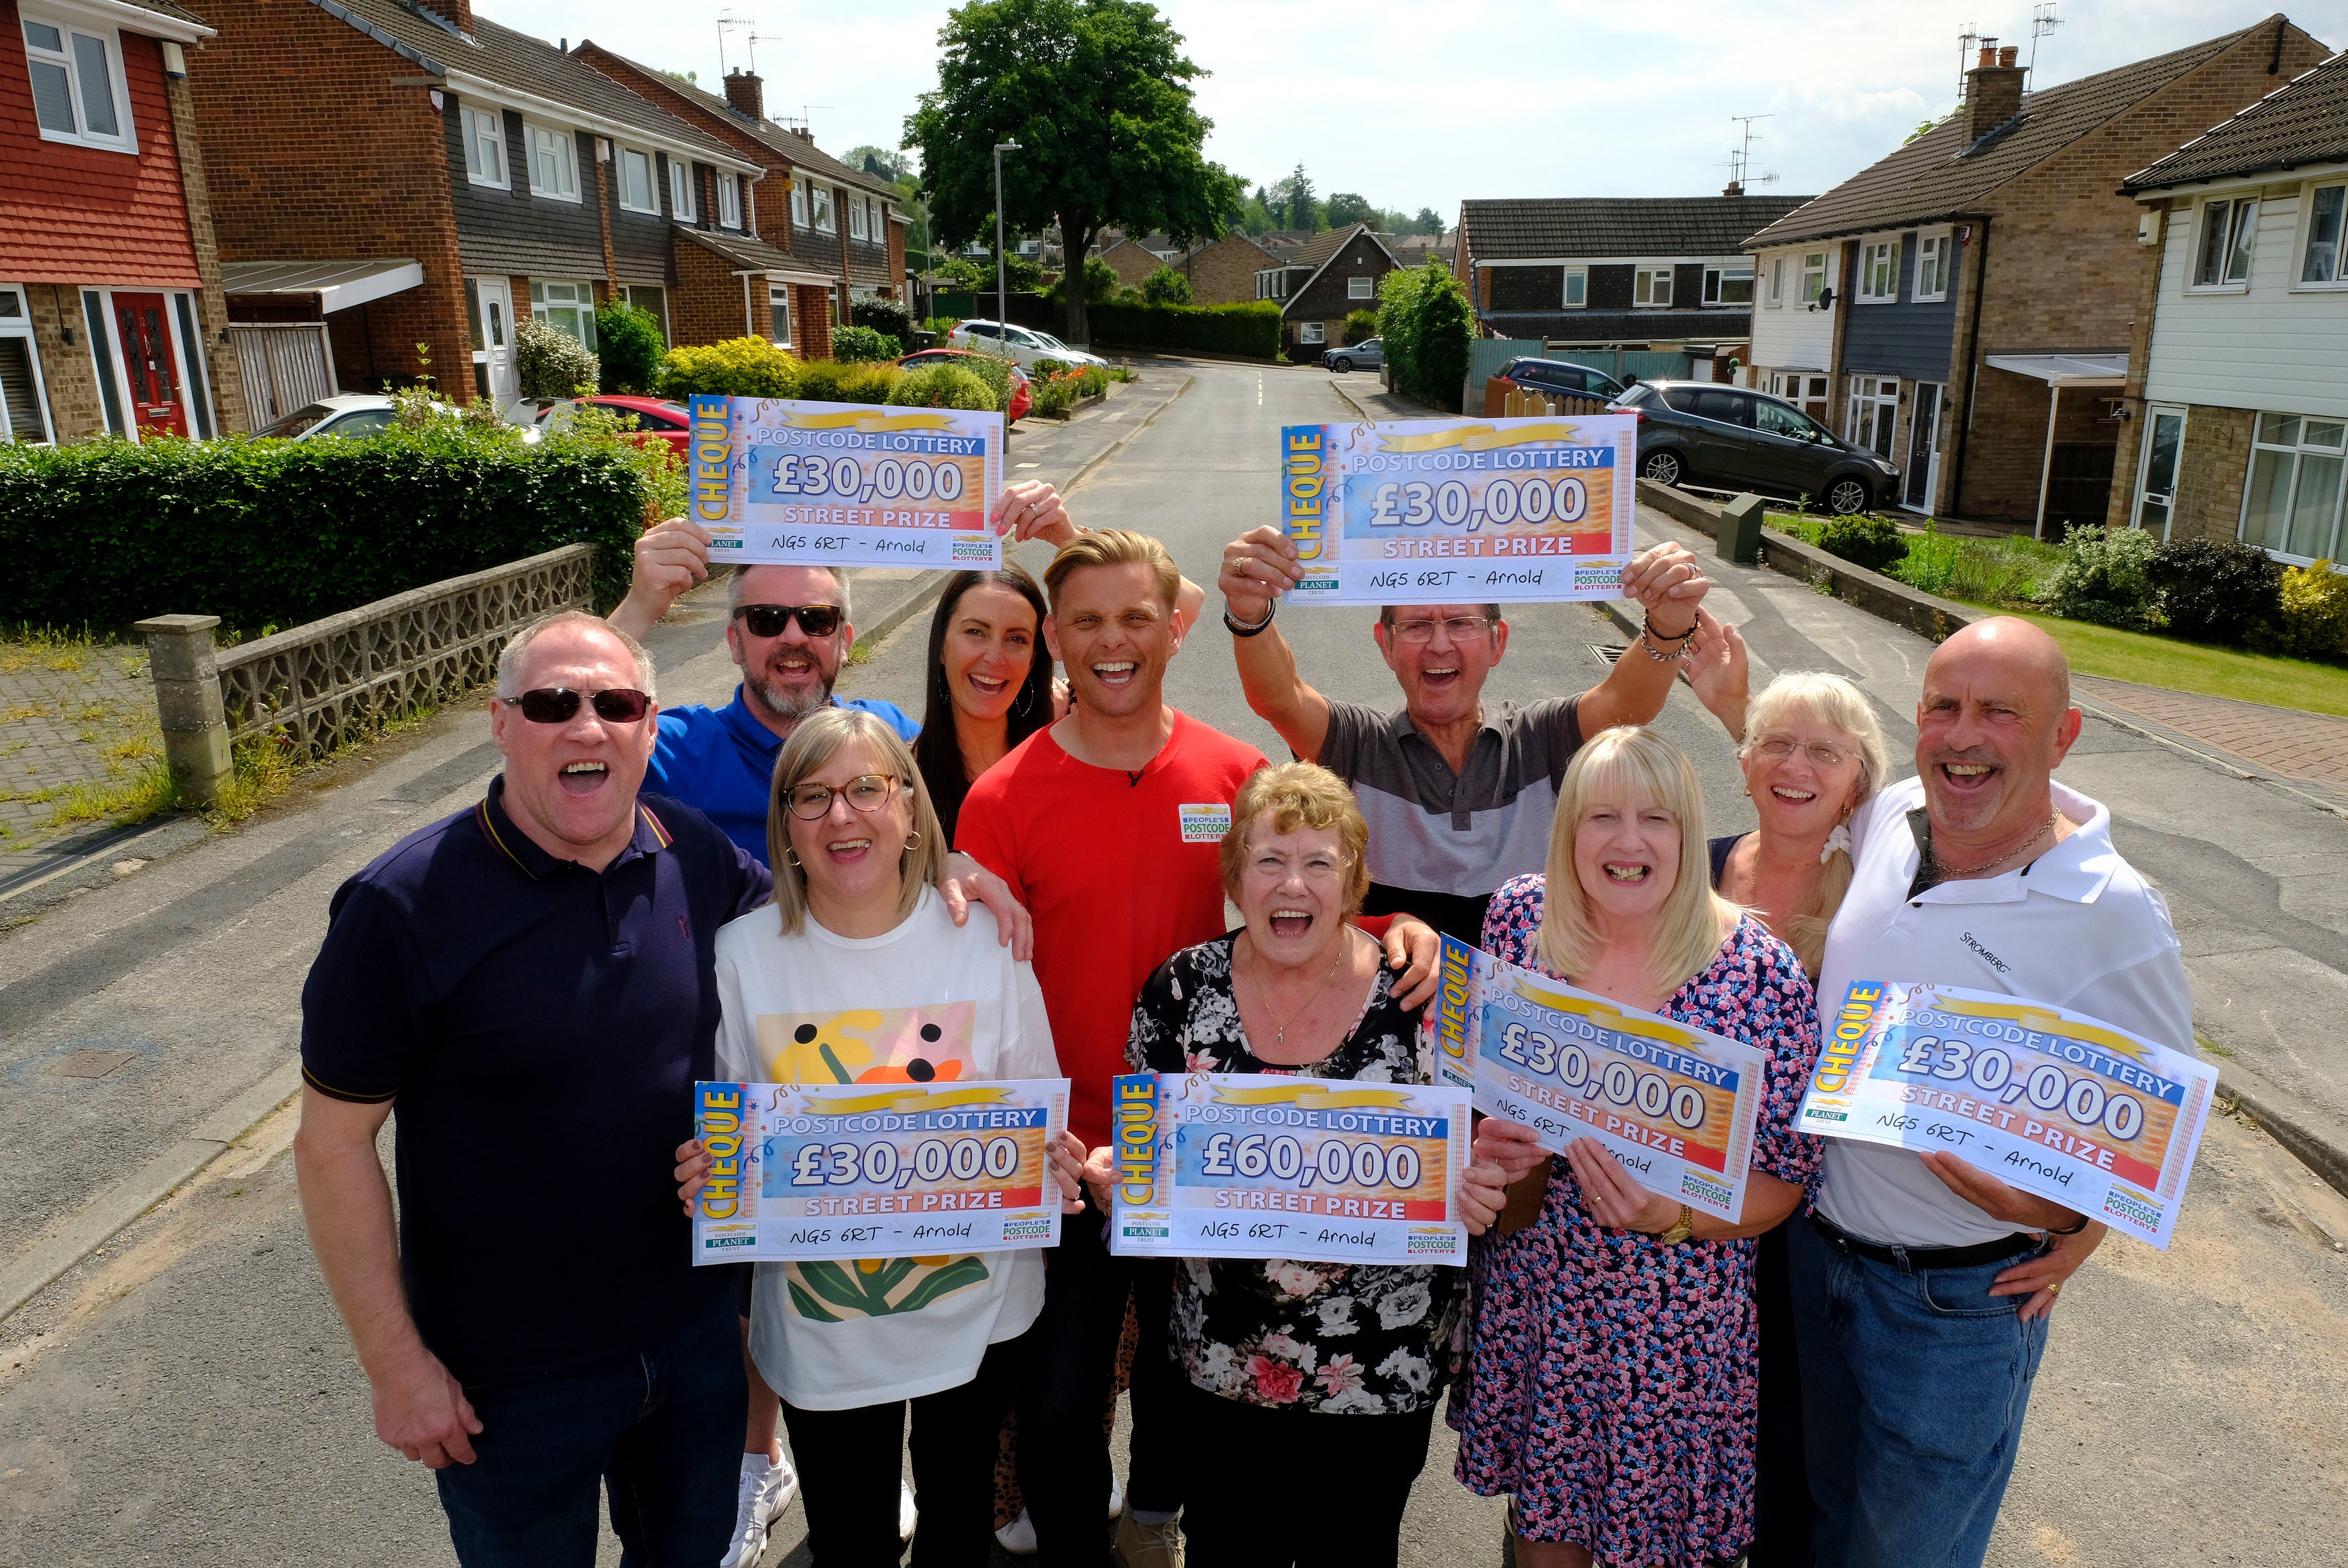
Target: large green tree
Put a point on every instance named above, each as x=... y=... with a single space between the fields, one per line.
x=1097 y=94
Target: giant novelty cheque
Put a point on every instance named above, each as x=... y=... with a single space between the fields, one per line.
x=803 y=1172
x=1259 y=1164
x=780 y=482
x=2055 y=1102
x=1676 y=1105
x=1451 y=511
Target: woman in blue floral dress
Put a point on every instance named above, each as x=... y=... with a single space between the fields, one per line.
x=1610 y=1387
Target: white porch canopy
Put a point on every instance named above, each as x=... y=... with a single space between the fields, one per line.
x=2059 y=371
x=338 y=285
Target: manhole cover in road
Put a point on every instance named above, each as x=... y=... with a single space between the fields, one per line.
x=88 y=1063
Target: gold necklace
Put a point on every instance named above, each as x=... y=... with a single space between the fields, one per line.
x=1948 y=871
x=1280 y=1034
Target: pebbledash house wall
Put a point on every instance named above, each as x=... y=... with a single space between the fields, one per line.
x=78 y=217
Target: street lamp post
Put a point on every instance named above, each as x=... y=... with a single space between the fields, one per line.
x=1002 y=288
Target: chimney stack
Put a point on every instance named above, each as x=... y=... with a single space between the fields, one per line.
x=746 y=94
x=1734 y=189
x=806 y=133
x=1993 y=91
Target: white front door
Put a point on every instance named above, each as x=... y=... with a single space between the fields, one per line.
x=2156 y=491
x=489 y=303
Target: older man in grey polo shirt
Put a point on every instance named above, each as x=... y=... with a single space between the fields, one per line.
x=1458 y=797
x=1920 y=1284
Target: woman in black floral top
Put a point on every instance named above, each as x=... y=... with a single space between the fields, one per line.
x=1271 y=1345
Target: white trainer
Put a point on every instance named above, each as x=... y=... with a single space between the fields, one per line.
x=765 y=1490
x=1116 y=1495
x=1018 y=1537
x=908 y=1515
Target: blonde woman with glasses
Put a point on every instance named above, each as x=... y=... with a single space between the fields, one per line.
x=1611 y=1386
x=857 y=974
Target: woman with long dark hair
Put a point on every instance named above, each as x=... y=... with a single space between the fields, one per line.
x=990 y=684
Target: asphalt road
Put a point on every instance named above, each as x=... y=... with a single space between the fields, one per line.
x=187 y=1396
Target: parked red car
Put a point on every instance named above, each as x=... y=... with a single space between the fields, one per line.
x=1021 y=399
x=655 y=416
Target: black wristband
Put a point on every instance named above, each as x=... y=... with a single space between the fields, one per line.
x=1241 y=629
x=2074 y=1230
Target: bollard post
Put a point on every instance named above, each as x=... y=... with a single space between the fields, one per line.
x=188 y=702
x=1739 y=538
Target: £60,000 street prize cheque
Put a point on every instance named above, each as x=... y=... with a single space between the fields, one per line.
x=1259 y=1164
x=2052 y=1102
x=1676 y=1105
x=778 y=482
x=863 y=1171
x=1458 y=511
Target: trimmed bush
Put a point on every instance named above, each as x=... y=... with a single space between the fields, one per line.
x=995 y=371
x=2216 y=591
x=1360 y=326
x=1252 y=329
x=854 y=345
x=1094 y=380
x=836 y=381
x=1863 y=540
x=2312 y=614
x=942 y=387
x=1165 y=286
x=1427 y=322
x=263 y=532
x=886 y=317
x=739 y=367
x=1054 y=398
x=2106 y=576
x=1047 y=368
x=551 y=363
x=632 y=347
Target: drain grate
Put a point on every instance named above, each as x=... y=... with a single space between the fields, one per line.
x=1607 y=653
x=88 y=1063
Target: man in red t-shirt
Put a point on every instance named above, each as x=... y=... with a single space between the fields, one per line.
x=1106 y=826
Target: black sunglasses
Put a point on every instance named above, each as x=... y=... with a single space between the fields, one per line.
x=560 y=705
x=768 y=619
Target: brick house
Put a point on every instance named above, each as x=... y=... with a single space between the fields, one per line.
x=1963 y=306
x=111 y=317
x=830 y=234
x=1223 y=271
x=1134 y=258
x=2238 y=369
x=1664 y=274
x=1323 y=281
x=452 y=177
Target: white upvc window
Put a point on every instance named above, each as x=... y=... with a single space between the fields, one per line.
x=1814 y=276
x=1776 y=297
x=566 y=305
x=1312 y=332
x=636 y=192
x=2292 y=502
x=1872 y=416
x=553 y=162
x=2229 y=230
x=821 y=198
x=857 y=228
x=1577 y=288
x=778 y=311
x=1879 y=271
x=1361 y=288
x=1728 y=284
x=680 y=190
x=24 y=399
x=730 y=200
x=2323 y=238
x=80 y=93
x=798 y=204
x=1932 y=266
x=1651 y=286
x=484 y=130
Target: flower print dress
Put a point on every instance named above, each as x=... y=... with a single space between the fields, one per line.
x=1611 y=1385
x=1337 y=1338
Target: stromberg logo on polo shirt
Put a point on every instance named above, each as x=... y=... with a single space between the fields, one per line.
x=1204 y=824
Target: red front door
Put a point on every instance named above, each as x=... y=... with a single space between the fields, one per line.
x=155 y=400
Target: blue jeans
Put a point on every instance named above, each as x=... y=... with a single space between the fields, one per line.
x=661 y=1429
x=1914 y=1388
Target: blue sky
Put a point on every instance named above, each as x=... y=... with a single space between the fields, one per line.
x=1419 y=103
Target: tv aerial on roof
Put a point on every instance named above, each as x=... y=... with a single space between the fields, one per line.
x=727 y=22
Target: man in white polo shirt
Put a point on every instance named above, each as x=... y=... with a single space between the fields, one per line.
x=1921 y=1285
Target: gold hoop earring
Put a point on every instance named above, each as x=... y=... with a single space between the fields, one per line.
x=794 y=859
x=914 y=841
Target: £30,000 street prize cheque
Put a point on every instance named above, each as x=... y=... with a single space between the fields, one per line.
x=1458 y=511
x=1676 y=1105
x=777 y=482
x=1259 y=1164
x=2052 y=1102
x=888 y=1170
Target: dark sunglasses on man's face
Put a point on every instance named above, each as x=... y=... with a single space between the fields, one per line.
x=560 y=705
x=768 y=619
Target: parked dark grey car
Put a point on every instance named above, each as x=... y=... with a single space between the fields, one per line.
x=1731 y=438
x=1370 y=353
x=1560 y=375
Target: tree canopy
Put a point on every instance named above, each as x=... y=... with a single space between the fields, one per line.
x=1097 y=94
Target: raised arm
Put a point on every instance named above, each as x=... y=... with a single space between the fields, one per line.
x=1668 y=585
x=670 y=556
x=1032 y=509
x=1257 y=567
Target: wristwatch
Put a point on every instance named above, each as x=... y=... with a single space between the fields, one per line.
x=1241 y=629
x=1680 y=1232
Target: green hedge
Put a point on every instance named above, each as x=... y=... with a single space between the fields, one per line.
x=279 y=533
x=1425 y=323
x=1252 y=329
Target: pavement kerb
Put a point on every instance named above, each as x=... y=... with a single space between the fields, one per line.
x=2320 y=1141
x=175 y=1165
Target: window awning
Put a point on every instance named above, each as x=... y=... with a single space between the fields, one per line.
x=2065 y=369
x=338 y=285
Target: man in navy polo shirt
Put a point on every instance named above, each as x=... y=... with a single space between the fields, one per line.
x=531 y=984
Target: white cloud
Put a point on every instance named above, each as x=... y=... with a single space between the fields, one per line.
x=1423 y=102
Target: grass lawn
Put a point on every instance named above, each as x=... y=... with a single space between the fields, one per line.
x=2193 y=666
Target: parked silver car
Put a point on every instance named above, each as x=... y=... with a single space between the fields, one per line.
x=1368 y=354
